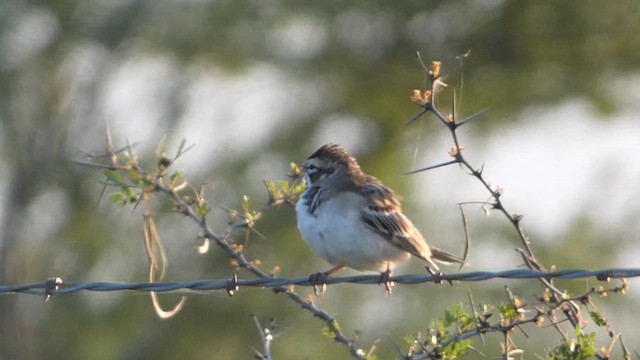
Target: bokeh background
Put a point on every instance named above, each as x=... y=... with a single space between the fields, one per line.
x=258 y=84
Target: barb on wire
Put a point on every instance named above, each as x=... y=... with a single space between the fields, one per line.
x=64 y=288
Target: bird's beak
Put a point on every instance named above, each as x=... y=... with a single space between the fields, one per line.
x=305 y=167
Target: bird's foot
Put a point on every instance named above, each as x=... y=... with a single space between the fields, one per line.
x=318 y=280
x=385 y=278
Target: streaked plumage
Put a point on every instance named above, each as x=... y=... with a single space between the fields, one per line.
x=350 y=218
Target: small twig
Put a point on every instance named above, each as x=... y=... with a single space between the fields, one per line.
x=157 y=184
x=452 y=125
x=447 y=163
x=467 y=246
x=397 y=347
x=187 y=210
x=479 y=325
x=265 y=338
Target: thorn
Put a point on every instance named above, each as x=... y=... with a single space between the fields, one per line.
x=318 y=281
x=104 y=190
x=426 y=110
x=453 y=108
x=113 y=158
x=232 y=285
x=450 y=162
x=52 y=284
x=421 y=63
x=472 y=117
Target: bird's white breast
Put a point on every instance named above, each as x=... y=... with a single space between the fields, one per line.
x=336 y=232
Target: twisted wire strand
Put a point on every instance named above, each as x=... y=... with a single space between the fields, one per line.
x=55 y=286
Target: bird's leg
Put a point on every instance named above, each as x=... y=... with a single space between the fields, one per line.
x=318 y=279
x=384 y=278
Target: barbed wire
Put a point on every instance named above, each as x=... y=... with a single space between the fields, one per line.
x=56 y=286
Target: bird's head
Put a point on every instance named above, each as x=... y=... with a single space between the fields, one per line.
x=330 y=164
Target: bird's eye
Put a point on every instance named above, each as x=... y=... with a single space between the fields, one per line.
x=312 y=169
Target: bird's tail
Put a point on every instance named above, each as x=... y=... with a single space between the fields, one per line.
x=444 y=257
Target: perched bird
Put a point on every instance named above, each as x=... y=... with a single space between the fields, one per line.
x=350 y=219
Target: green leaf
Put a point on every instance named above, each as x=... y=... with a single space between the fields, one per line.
x=203 y=209
x=331 y=329
x=597 y=318
x=114 y=177
x=284 y=186
x=452 y=316
x=299 y=189
x=457 y=350
x=271 y=189
x=295 y=169
x=581 y=348
x=508 y=311
x=245 y=205
x=128 y=192
x=117 y=198
x=177 y=176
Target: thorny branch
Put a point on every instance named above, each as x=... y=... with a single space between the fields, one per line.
x=266 y=337
x=242 y=262
x=195 y=208
x=426 y=100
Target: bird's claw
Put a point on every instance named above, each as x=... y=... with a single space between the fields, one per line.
x=385 y=278
x=437 y=276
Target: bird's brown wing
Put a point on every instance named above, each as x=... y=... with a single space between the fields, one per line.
x=383 y=214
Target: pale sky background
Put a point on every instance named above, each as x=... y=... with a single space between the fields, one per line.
x=554 y=162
